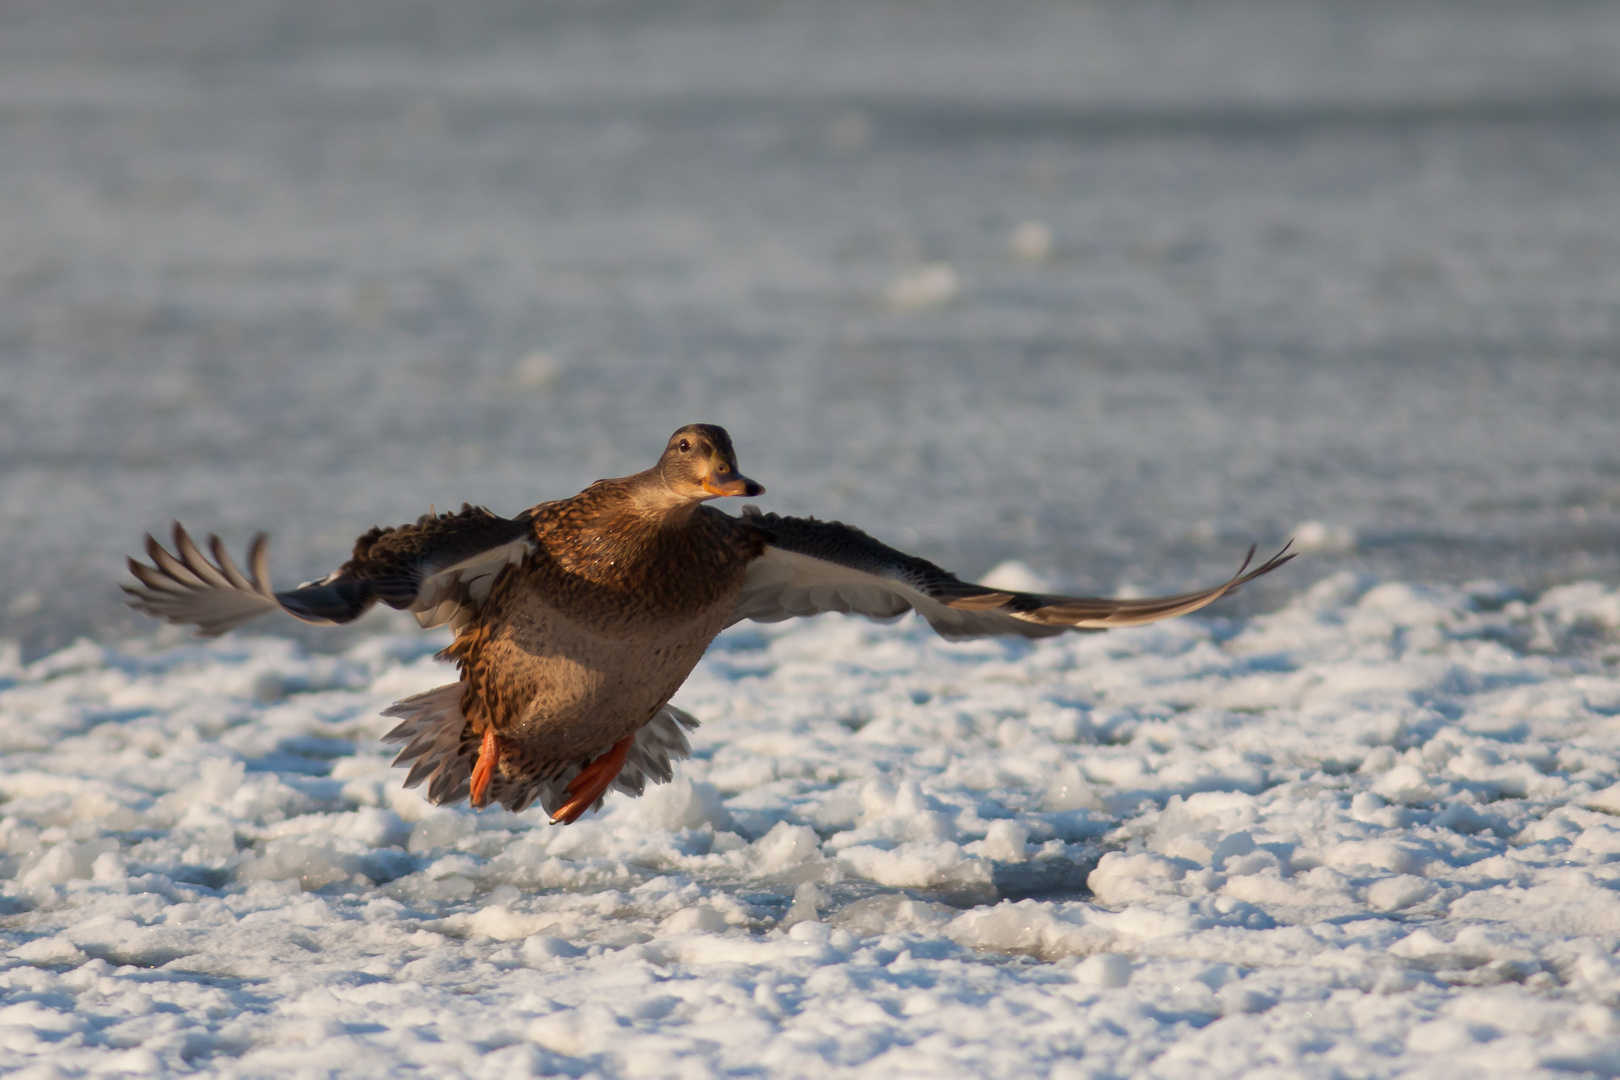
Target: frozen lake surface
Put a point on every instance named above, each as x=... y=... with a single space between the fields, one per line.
x=1109 y=289
x=1371 y=834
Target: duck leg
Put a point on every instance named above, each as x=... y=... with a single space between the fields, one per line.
x=488 y=753
x=592 y=781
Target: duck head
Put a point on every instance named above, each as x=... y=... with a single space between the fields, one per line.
x=700 y=464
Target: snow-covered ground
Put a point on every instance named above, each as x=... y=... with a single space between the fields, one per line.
x=1112 y=288
x=1371 y=834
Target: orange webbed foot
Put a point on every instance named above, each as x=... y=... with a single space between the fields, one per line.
x=592 y=781
x=488 y=752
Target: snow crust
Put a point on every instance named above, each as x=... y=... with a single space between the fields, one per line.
x=1371 y=834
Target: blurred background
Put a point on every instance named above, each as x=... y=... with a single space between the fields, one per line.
x=1110 y=288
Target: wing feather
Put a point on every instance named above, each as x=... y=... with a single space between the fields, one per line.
x=458 y=590
x=811 y=566
x=187 y=588
x=442 y=569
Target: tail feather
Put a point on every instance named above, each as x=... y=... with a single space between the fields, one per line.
x=660 y=741
x=441 y=752
x=452 y=785
x=437 y=740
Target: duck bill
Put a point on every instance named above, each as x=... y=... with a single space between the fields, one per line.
x=735 y=485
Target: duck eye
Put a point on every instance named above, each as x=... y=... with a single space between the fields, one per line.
x=685 y=446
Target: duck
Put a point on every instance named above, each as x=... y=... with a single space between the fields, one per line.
x=575 y=621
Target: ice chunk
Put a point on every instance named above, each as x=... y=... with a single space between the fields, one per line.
x=808 y=901
x=917 y=864
x=1069 y=790
x=818 y=933
x=683 y=804
x=1006 y=841
x=1027 y=927
x=441 y=829
x=904 y=812
x=375 y=827
x=892 y=913
x=107 y=867
x=313 y=861
x=1404 y=784
x=698 y=919
x=785 y=846
x=1122 y=879
x=51 y=951
x=69 y=861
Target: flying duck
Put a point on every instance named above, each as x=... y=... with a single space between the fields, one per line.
x=577 y=620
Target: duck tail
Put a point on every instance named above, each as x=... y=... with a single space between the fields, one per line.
x=438 y=740
x=660 y=741
x=441 y=751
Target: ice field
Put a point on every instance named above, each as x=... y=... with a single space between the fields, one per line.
x=1371 y=834
x=1084 y=296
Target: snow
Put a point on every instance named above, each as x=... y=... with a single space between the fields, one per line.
x=1372 y=833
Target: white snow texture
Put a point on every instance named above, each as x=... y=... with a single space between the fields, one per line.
x=1370 y=834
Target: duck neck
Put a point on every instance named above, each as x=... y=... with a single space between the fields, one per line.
x=654 y=501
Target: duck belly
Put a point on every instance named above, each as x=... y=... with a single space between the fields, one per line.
x=566 y=690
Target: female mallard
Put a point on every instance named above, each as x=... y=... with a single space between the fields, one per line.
x=577 y=620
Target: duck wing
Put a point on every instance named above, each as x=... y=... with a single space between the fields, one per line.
x=441 y=569
x=812 y=566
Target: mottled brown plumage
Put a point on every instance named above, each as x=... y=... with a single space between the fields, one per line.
x=581 y=644
x=608 y=590
x=577 y=620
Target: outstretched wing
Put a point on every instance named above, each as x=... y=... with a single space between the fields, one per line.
x=812 y=566
x=441 y=569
